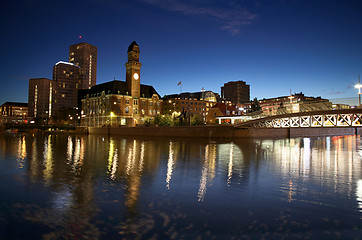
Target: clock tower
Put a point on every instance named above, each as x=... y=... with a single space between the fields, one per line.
x=133 y=67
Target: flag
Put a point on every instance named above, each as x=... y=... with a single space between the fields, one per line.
x=179 y=83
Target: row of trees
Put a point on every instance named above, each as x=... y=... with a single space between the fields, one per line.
x=172 y=120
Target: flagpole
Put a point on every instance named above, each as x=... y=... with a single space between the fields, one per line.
x=180 y=84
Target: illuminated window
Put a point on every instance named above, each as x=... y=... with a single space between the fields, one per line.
x=127 y=110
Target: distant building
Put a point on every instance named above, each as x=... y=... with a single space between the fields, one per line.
x=294 y=103
x=84 y=55
x=67 y=80
x=237 y=92
x=14 y=112
x=40 y=97
x=118 y=102
x=196 y=104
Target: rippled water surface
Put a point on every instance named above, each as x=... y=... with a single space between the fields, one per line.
x=100 y=187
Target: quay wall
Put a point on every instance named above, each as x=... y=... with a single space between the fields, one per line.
x=223 y=131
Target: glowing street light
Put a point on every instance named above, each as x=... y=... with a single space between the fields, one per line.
x=111 y=117
x=291 y=97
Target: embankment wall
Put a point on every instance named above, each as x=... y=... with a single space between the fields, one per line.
x=223 y=131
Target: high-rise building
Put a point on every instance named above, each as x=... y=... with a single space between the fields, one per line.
x=40 y=97
x=236 y=92
x=68 y=78
x=47 y=97
x=84 y=55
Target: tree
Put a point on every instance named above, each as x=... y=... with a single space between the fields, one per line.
x=255 y=106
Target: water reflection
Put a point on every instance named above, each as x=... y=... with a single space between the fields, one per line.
x=208 y=169
x=359 y=194
x=170 y=164
x=21 y=151
x=94 y=183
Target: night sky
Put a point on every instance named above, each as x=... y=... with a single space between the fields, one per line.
x=314 y=47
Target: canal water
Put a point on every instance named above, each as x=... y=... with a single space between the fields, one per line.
x=100 y=187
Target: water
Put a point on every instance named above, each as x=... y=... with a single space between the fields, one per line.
x=99 y=187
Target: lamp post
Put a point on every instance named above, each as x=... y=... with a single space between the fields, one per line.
x=359 y=86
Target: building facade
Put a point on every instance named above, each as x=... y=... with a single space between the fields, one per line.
x=190 y=105
x=237 y=92
x=67 y=77
x=84 y=55
x=121 y=102
x=13 y=112
x=294 y=103
x=40 y=98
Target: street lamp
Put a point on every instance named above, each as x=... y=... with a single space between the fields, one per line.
x=359 y=86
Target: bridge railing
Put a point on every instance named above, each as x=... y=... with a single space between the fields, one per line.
x=330 y=118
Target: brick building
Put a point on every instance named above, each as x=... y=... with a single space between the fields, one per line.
x=237 y=92
x=121 y=102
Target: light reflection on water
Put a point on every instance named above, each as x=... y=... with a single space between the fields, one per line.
x=75 y=186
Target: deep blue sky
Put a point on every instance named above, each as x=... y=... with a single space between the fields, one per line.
x=314 y=47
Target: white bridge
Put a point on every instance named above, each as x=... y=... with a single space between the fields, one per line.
x=330 y=118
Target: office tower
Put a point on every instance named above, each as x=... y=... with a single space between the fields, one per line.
x=84 y=55
x=68 y=78
x=236 y=91
x=40 y=97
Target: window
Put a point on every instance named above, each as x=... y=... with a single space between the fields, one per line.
x=127 y=101
x=151 y=103
x=127 y=110
x=135 y=102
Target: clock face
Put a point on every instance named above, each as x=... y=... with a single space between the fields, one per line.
x=136 y=76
